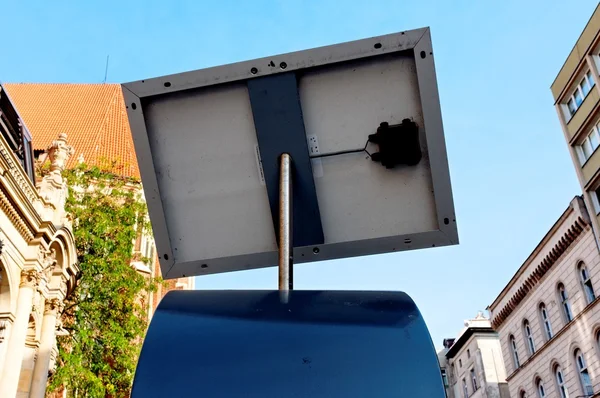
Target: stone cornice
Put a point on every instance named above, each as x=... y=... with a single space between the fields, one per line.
x=15 y=216
x=552 y=256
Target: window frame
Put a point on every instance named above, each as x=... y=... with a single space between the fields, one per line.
x=587 y=386
x=546 y=323
x=445 y=378
x=529 y=336
x=588 y=142
x=586 y=283
x=515 y=352
x=560 y=382
x=540 y=389
x=578 y=92
x=563 y=295
x=474 y=382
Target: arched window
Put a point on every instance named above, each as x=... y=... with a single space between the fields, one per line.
x=545 y=321
x=465 y=390
x=564 y=301
x=515 y=352
x=528 y=336
x=584 y=376
x=539 y=386
x=523 y=394
x=560 y=382
x=586 y=281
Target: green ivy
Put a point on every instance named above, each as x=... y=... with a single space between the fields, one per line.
x=106 y=314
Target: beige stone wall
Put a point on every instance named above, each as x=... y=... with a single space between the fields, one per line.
x=579 y=333
x=486 y=359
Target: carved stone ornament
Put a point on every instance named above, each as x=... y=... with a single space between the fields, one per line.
x=53 y=306
x=30 y=278
x=59 y=152
x=49 y=263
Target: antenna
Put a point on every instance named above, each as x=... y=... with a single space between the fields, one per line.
x=106 y=69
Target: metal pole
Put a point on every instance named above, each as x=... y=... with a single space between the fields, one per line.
x=286 y=264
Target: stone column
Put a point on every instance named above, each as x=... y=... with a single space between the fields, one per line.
x=42 y=364
x=16 y=343
x=5 y=326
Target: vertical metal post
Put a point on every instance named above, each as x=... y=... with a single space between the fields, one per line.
x=286 y=263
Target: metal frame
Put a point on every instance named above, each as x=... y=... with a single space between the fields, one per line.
x=418 y=40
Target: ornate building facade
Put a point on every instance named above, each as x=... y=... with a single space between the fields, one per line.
x=548 y=315
x=38 y=261
x=95 y=118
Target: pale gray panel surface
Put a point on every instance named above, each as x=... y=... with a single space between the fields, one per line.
x=203 y=142
x=361 y=199
x=196 y=145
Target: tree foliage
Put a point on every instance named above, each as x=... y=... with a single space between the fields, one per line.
x=105 y=315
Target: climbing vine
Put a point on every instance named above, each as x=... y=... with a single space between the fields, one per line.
x=106 y=315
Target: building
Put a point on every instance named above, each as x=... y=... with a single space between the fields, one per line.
x=548 y=315
x=471 y=364
x=38 y=261
x=95 y=119
x=577 y=101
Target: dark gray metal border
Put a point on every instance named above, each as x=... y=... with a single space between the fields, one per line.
x=418 y=40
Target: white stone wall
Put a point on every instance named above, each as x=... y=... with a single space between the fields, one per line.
x=486 y=359
x=579 y=333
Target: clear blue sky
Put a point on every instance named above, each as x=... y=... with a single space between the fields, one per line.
x=511 y=173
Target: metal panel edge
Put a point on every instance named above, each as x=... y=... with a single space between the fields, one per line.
x=434 y=132
x=294 y=60
x=306 y=254
x=151 y=190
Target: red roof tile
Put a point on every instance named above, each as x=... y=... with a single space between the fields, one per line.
x=92 y=115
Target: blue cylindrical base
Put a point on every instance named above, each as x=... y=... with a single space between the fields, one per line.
x=317 y=344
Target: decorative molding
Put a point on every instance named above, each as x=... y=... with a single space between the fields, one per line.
x=30 y=278
x=53 y=306
x=18 y=174
x=554 y=254
x=11 y=212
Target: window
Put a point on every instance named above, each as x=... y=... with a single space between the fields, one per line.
x=445 y=377
x=595 y=195
x=465 y=390
x=560 y=383
x=474 y=379
x=588 y=145
x=564 y=300
x=546 y=321
x=468 y=353
x=579 y=94
x=16 y=135
x=529 y=336
x=515 y=352
x=540 y=389
x=523 y=394
x=587 y=283
x=584 y=376
x=460 y=363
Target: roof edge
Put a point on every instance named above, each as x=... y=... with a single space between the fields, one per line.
x=536 y=251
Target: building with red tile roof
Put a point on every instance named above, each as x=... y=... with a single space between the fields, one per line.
x=92 y=115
